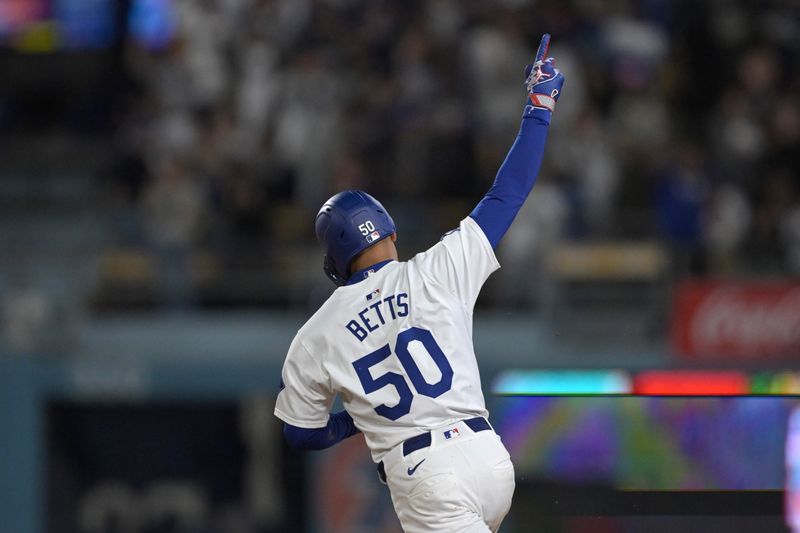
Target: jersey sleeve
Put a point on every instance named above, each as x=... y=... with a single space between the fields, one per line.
x=461 y=262
x=305 y=398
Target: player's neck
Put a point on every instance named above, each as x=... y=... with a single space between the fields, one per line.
x=384 y=250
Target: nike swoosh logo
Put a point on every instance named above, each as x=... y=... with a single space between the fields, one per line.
x=412 y=470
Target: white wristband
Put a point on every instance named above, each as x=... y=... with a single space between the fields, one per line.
x=543 y=101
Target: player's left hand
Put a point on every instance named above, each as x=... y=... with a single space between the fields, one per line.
x=542 y=79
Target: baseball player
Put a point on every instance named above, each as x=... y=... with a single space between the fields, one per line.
x=395 y=342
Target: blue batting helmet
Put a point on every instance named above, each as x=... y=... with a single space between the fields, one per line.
x=347 y=224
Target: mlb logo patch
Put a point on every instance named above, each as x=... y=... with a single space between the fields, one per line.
x=374 y=294
x=374 y=236
x=452 y=433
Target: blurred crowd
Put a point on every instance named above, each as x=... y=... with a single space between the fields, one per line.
x=680 y=122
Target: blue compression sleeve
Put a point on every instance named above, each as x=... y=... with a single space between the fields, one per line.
x=340 y=426
x=515 y=179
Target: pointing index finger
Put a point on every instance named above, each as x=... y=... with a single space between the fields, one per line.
x=541 y=53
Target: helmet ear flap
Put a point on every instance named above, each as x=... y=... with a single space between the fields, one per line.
x=330 y=271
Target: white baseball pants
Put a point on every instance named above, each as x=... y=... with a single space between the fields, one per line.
x=462 y=482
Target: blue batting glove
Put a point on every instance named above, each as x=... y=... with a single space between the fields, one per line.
x=543 y=79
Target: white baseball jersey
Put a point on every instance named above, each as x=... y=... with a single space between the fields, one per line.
x=397 y=346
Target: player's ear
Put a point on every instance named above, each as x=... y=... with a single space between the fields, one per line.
x=393 y=236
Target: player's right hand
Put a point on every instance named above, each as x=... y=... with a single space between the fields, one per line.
x=542 y=79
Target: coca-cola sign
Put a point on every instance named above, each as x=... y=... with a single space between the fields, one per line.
x=753 y=320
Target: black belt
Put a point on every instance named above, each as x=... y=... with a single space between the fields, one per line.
x=418 y=442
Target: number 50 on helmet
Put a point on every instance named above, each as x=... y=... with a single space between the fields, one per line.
x=346 y=225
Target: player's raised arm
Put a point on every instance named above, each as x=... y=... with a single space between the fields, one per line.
x=515 y=179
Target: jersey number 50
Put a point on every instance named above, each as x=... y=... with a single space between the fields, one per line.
x=432 y=390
